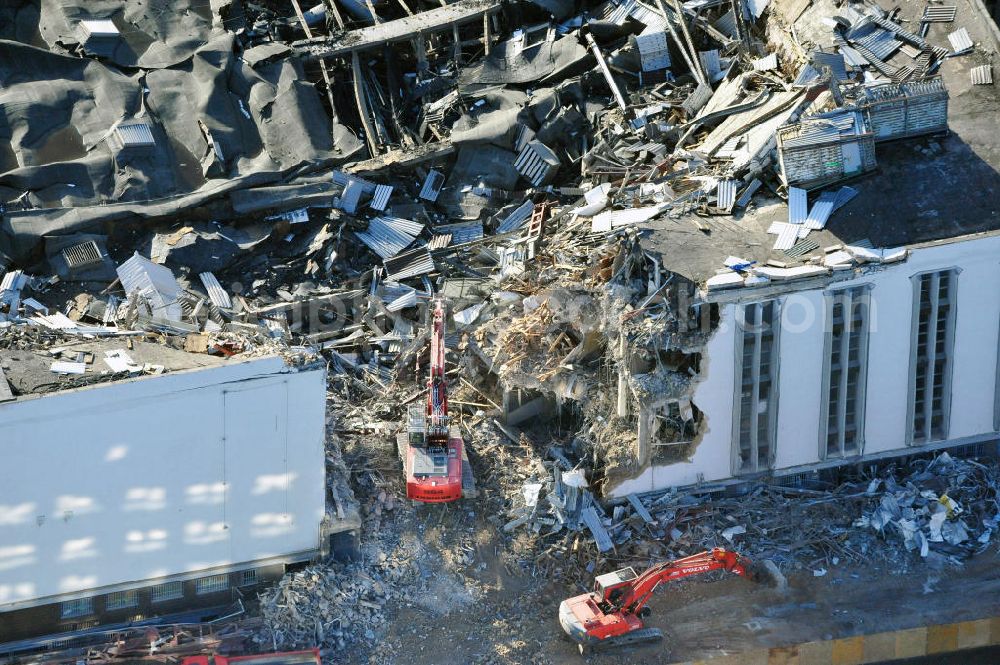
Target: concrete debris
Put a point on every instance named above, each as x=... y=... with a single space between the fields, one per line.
x=884 y=518
x=925 y=509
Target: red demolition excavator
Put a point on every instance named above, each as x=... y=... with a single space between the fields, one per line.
x=433 y=453
x=611 y=615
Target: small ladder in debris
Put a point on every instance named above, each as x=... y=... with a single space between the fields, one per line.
x=535 y=227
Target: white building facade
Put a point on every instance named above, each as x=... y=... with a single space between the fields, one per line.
x=132 y=495
x=857 y=365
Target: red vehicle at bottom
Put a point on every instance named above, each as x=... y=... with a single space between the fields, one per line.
x=611 y=614
x=433 y=453
x=306 y=657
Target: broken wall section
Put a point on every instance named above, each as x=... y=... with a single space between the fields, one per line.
x=614 y=350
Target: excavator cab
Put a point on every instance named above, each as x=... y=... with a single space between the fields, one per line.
x=610 y=587
x=416 y=426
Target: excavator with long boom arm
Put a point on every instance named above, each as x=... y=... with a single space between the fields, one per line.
x=432 y=450
x=611 y=615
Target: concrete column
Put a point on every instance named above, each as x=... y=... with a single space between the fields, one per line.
x=644 y=436
x=622 y=380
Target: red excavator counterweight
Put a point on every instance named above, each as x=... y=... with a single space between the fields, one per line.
x=611 y=614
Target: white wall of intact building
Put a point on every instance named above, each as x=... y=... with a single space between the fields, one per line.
x=801 y=363
x=117 y=484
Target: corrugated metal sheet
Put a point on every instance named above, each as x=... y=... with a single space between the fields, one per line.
x=852 y=57
x=619 y=12
x=537 y=163
x=597 y=530
x=798 y=205
x=522 y=137
x=135 y=135
x=898 y=30
x=654 y=52
x=806 y=76
x=767 y=63
x=648 y=17
x=726 y=24
x=462 y=232
x=297 y=216
x=710 y=62
x=748 y=193
x=82 y=255
x=907 y=109
x=844 y=196
x=726 y=194
x=439 y=241
x=10 y=288
x=902 y=74
x=982 y=75
x=408 y=299
x=821 y=211
x=343 y=179
x=411 y=264
x=703 y=4
x=777 y=228
x=960 y=41
x=834 y=61
x=862 y=25
x=801 y=248
x=697 y=99
x=612 y=219
x=381 y=197
x=388 y=236
x=432 y=186
x=787 y=237
x=516 y=219
x=154 y=283
x=880 y=42
x=216 y=293
x=939 y=13
x=810 y=133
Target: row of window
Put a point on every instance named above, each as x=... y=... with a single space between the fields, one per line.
x=122 y=600
x=845 y=371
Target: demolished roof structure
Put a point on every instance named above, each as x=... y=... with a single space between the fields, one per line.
x=656 y=152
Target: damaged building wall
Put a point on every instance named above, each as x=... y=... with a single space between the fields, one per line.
x=802 y=358
x=164 y=478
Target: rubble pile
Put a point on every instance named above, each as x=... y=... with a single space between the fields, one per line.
x=943 y=509
x=946 y=508
x=402 y=562
x=318 y=605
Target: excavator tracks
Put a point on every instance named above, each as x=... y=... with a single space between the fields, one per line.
x=641 y=636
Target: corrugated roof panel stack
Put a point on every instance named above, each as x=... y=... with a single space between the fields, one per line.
x=822 y=150
x=909 y=109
